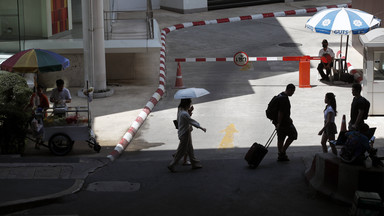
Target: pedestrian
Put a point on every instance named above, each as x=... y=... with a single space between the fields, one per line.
x=359 y=108
x=329 y=130
x=184 y=121
x=39 y=104
x=326 y=63
x=186 y=162
x=39 y=101
x=284 y=124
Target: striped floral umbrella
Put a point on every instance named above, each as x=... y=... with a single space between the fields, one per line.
x=35 y=60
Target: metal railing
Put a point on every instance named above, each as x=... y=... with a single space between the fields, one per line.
x=129 y=24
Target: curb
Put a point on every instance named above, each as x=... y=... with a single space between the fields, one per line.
x=17 y=205
x=128 y=136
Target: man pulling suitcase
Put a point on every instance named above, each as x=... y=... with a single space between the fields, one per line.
x=284 y=124
x=279 y=112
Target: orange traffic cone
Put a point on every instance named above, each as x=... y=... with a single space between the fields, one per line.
x=343 y=124
x=179 y=78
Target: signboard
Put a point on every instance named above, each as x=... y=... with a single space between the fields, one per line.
x=241 y=59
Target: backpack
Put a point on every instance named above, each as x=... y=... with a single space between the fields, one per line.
x=353 y=149
x=367 y=104
x=272 y=110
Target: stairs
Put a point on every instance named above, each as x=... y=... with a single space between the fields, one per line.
x=223 y=4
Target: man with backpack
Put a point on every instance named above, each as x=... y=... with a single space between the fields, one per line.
x=359 y=108
x=279 y=111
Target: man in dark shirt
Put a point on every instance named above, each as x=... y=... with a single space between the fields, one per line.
x=358 y=107
x=284 y=124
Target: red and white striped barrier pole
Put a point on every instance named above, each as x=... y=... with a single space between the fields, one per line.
x=304 y=65
x=251 y=59
x=126 y=139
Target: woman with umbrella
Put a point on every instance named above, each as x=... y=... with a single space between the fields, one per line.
x=184 y=121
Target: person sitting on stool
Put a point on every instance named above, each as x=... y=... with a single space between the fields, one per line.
x=328 y=56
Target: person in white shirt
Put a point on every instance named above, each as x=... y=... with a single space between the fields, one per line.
x=184 y=121
x=60 y=96
x=326 y=63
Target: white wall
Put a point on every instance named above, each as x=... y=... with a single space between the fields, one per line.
x=185 y=6
x=132 y=5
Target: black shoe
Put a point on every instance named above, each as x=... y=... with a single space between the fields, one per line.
x=197 y=166
x=172 y=169
x=325 y=79
x=282 y=157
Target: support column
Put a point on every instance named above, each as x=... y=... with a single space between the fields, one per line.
x=87 y=41
x=93 y=42
x=99 y=79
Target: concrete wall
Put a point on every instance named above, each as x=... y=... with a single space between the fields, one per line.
x=72 y=76
x=128 y=67
x=185 y=6
x=121 y=68
x=133 y=5
x=375 y=7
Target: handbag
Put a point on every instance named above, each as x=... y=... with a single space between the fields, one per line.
x=176 y=124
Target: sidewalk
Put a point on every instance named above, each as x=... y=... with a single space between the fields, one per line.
x=25 y=181
x=42 y=177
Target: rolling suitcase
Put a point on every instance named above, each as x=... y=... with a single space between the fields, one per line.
x=257 y=152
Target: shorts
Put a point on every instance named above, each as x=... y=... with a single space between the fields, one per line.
x=330 y=129
x=287 y=130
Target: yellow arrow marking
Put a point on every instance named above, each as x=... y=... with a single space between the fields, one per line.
x=227 y=141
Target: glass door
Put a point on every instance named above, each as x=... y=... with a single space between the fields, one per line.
x=11 y=26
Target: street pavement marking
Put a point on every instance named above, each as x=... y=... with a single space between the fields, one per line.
x=247 y=67
x=227 y=141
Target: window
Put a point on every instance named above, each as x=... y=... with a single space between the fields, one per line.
x=378 y=65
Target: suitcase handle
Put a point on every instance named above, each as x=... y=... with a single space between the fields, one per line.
x=270 y=138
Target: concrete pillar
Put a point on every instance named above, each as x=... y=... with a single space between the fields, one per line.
x=93 y=41
x=87 y=41
x=99 y=79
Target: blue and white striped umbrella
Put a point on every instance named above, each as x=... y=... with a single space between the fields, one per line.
x=342 y=21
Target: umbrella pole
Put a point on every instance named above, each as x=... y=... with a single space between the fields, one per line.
x=341 y=46
x=339 y=57
x=346 y=52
